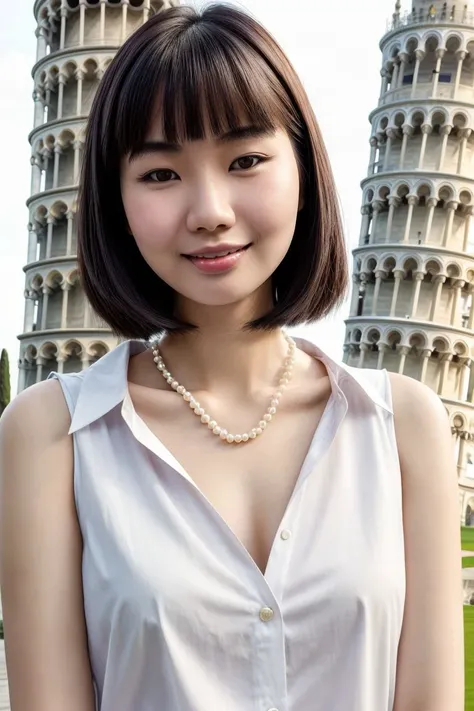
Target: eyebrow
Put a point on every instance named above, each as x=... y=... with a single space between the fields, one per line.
x=235 y=134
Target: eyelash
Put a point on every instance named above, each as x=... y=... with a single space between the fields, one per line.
x=147 y=177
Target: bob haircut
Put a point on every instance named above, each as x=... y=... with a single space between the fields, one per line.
x=201 y=69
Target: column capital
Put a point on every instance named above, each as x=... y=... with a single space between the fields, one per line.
x=446 y=357
x=66 y=286
x=413 y=199
x=377 y=205
x=51 y=220
x=383 y=347
x=461 y=55
x=419 y=276
x=69 y=215
x=374 y=141
x=394 y=201
x=469 y=210
x=58 y=148
x=440 y=52
x=46 y=289
x=355 y=279
x=427 y=128
x=365 y=210
x=40 y=360
x=432 y=202
x=465 y=133
x=404 y=56
x=408 y=129
x=446 y=129
x=426 y=353
x=60 y=358
x=79 y=74
x=380 y=273
x=364 y=347
x=64 y=11
x=452 y=205
x=77 y=144
x=62 y=78
x=399 y=273
x=439 y=279
x=403 y=350
x=420 y=54
x=391 y=131
x=459 y=284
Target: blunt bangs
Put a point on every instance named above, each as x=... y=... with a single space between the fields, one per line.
x=201 y=74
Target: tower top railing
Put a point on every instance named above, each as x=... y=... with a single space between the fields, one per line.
x=424 y=17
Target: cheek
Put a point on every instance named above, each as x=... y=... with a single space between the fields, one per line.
x=275 y=203
x=151 y=222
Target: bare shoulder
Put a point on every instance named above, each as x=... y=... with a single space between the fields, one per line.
x=40 y=556
x=41 y=406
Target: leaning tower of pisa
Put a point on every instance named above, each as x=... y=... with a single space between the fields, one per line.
x=412 y=308
x=76 y=40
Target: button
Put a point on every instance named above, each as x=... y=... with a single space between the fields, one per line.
x=266 y=614
x=284 y=535
x=272 y=709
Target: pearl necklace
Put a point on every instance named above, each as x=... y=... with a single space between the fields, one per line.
x=210 y=422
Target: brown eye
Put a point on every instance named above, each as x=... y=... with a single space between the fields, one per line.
x=161 y=176
x=247 y=162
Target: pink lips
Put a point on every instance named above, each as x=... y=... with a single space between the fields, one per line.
x=217 y=264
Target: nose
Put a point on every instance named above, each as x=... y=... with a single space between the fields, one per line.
x=210 y=207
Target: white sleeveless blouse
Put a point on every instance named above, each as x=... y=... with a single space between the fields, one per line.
x=180 y=618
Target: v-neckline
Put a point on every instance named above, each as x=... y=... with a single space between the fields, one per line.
x=143 y=433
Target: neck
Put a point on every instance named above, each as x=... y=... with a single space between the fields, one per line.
x=221 y=355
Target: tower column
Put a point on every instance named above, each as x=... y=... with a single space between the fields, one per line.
x=438 y=285
x=460 y=56
x=60 y=359
x=40 y=362
x=426 y=129
x=85 y=361
x=431 y=204
x=35 y=174
x=102 y=20
x=465 y=376
x=455 y=307
x=66 y=287
x=77 y=145
x=412 y=201
x=82 y=21
x=394 y=82
x=32 y=243
x=465 y=135
x=382 y=350
x=398 y=274
x=41 y=46
x=444 y=372
x=383 y=87
x=44 y=310
x=467 y=228
x=439 y=58
x=445 y=130
x=125 y=4
x=373 y=152
x=391 y=136
x=364 y=228
x=70 y=224
x=79 y=78
x=470 y=323
x=355 y=295
x=64 y=14
x=393 y=203
x=425 y=357
x=377 y=207
x=403 y=62
x=379 y=274
x=407 y=131
x=29 y=311
x=39 y=108
x=419 y=54
x=404 y=351
x=57 y=153
x=419 y=276
x=452 y=207
x=363 y=351
x=62 y=81
x=50 y=221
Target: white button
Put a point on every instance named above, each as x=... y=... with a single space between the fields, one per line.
x=285 y=535
x=272 y=709
x=266 y=614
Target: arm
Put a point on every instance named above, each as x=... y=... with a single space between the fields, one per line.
x=430 y=674
x=40 y=557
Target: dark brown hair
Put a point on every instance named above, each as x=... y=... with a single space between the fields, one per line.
x=204 y=69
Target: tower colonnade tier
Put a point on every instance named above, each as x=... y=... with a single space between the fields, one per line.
x=76 y=41
x=412 y=306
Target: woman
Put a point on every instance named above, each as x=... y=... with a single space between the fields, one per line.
x=213 y=515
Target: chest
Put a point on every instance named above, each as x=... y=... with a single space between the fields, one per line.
x=249 y=485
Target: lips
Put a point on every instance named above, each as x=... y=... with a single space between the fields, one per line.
x=218 y=261
x=216 y=252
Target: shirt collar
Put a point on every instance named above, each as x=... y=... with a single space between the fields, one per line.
x=105 y=383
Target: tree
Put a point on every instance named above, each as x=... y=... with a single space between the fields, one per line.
x=5 y=393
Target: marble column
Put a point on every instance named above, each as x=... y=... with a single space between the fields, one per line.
x=430 y=205
x=379 y=275
x=439 y=58
x=123 y=34
x=79 y=74
x=460 y=56
x=398 y=274
x=70 y=225
x=467 y=227
x=102 y=20
x=455 y=306
x=445 y=132
x=419 y=54
x=404 y=351
x=393 y=203
x=426 y=129
x=373 y=154
x=438 y=282
x=364 y=228
x=40 y=363
x=377 y=207
x=407 y=131
x=419 y=276
x=64 y=15
x=464 y=379
x=412 y=201
x=465 y=135
x=451 y=209
x=425 y=357
x=66 y=287
x=364 y=349
x=445 y=361
x=383 y=348
x=44 y=311
x=32 y=243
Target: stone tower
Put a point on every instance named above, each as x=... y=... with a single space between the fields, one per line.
x=412 y=308
x=77 y=40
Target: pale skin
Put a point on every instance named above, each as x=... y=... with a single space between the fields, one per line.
x=40 y=540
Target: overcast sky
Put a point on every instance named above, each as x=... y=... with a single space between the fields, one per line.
x=334 y=47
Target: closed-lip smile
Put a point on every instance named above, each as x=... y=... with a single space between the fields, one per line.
x=216 y=251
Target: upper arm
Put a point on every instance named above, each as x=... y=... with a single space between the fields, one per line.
x=430 y=674
x=40 y=557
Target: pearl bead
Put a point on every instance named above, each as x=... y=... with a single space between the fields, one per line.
x=286 y=374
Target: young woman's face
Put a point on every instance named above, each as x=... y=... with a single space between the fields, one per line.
x=213 y=218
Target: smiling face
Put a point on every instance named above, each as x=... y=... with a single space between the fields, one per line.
x=214 y=218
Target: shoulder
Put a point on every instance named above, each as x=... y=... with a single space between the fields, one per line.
x=40 y=413
x=422 y=428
